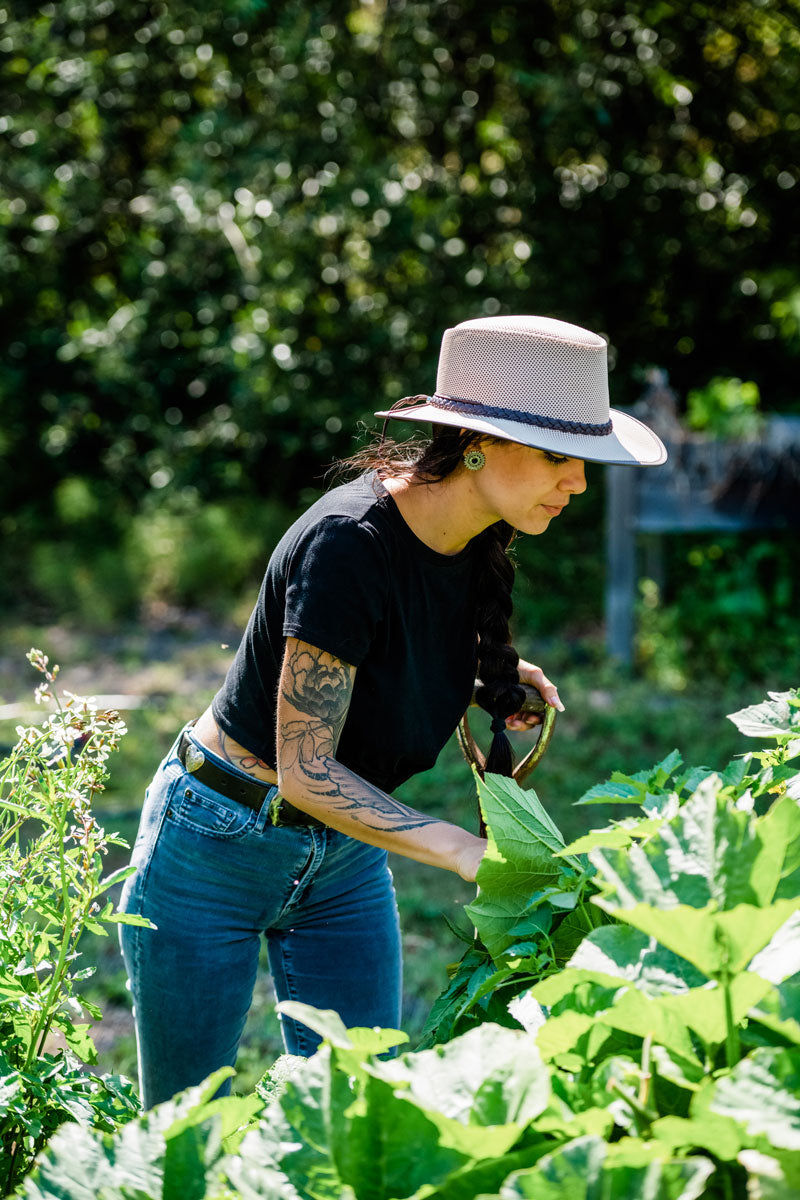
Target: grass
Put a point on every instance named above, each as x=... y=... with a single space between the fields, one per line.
x=612 y=721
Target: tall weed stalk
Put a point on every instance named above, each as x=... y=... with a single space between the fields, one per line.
x=51 y=884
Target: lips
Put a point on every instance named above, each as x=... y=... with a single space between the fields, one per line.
x=552 y=509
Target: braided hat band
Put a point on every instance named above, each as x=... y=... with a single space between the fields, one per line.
x=537 y=381
x=454 y=404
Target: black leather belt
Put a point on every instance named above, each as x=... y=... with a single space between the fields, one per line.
x=249 y=792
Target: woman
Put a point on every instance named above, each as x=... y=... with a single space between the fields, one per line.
x=273 y=812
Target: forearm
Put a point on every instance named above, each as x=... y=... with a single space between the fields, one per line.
x=336 y=795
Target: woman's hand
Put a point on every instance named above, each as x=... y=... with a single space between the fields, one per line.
x=469 y=859
x=529 y=673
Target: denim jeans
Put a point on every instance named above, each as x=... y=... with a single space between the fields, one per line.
x=213 y=876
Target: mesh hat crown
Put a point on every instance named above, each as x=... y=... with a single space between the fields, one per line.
x=537 y=381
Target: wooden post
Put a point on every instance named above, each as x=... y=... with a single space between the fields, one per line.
x=620 y=562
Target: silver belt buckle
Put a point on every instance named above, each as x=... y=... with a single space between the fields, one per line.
x=194 y=757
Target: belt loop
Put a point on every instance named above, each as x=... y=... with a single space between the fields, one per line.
x=264 y=815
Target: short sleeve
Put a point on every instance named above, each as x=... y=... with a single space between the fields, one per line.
x=336 y=586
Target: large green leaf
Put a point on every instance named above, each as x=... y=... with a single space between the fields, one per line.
x=173 y=1151
x=521 y=880
x=633 y=789
x=517 y=818
x=779 y=1010
x=593 y=999
x=629 y=954
x=507 y=894
x=580 y=1000
x=686 y=1135
x=330 y=1026
x=615 y=837
x=371 y=1144
x=765 y=1177
x=255 y=1172
x=80 y=1165
x=590 y=1169
x=298 y=1129
x=468 y=1182
x=703 y=1009
x=333 y=1128
x=717 y=943
x=780 y=958
x=777 y=717
x=709 y=852
x=762 y=1092
x=488 y=1076
x=561 y=1034
x=782 y=825
x=650 y=1016
x=575 y=1026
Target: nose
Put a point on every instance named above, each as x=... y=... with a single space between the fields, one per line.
x=573 y=479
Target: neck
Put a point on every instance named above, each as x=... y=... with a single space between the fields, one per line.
x=445 y=515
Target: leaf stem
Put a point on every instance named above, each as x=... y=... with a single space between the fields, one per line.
x=42 y=1026
x=733 y=1049
x=647 y=1075
x=9 y=1181
x=641 y=1114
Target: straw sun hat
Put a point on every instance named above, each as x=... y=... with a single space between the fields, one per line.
x=537 y=381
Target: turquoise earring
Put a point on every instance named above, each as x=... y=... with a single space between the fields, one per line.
x=474 y=460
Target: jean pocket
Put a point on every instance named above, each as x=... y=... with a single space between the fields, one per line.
x=205 y=811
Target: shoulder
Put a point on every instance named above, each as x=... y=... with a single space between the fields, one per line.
x=345 y=531
x=333 y=575
x=351 y=515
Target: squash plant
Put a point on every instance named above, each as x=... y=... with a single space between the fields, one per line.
x=650 y=1046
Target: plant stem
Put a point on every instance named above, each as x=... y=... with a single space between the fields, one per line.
x=11 y=1166
x=642 y=1115
x=42 y=1027
x=644 y=1086
x=726 y=1184
x=733 y=1050
x=586 y=916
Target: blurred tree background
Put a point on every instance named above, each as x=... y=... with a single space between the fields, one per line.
x=231 y=231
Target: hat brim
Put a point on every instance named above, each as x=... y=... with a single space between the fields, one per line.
x=631 y=442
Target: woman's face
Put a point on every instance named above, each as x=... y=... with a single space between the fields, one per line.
x=524 y=486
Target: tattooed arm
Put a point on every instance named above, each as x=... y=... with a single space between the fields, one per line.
x=313 y=699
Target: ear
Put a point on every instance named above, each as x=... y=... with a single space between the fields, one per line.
x=474 y=440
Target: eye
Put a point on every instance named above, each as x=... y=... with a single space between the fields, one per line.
x=555 y=460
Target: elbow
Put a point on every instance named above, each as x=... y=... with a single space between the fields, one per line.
x=308 y=793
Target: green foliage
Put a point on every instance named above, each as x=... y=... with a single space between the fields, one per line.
x=51 y=885
x=726 y=408
x=192 y=554
x=227 y=230
x=650 y=1065
x=719 y=585
x=180 y=1141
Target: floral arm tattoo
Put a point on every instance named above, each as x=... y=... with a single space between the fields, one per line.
x=318 y=687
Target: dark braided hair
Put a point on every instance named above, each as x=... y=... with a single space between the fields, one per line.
x=431 y=461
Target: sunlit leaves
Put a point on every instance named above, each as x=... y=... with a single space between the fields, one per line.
x=662 y=1062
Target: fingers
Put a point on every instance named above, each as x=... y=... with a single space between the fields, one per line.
x=530 y=673
x=520 y=722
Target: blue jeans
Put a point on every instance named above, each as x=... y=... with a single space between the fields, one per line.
x=214 y=876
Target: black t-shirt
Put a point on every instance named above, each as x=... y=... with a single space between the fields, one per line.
x=351 y=578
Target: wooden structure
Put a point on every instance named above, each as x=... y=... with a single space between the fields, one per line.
x=705 y=485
